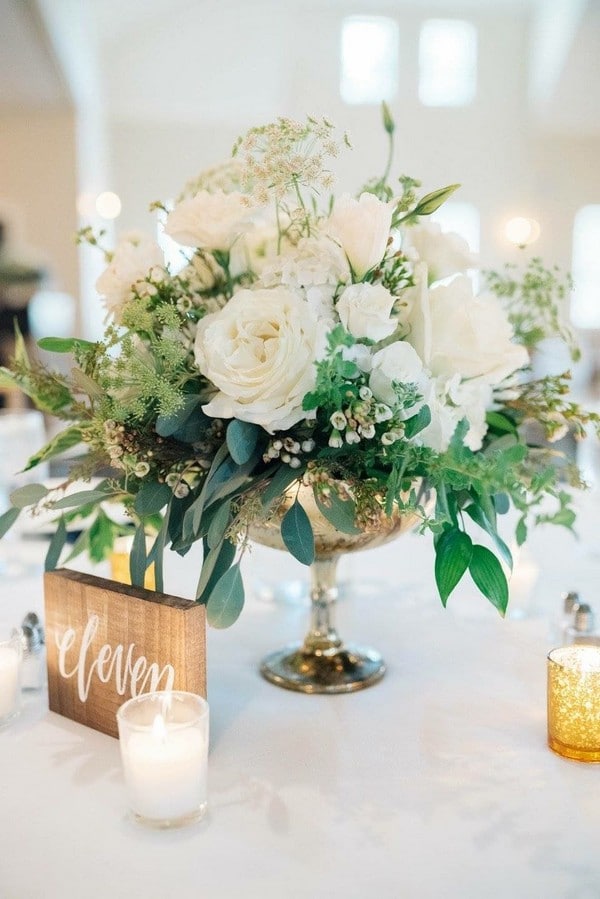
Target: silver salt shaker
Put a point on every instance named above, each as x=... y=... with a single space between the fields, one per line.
x=33 y=666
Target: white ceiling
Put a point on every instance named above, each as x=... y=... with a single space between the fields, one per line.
x=29 y=73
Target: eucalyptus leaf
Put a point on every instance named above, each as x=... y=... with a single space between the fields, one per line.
x=297 y=534
x=7 y=519
x=56 y=546
x=452 y=557
x=152 y=498
x=28 y=495
x=219 y=524
x=226 y=601
x=216 y=562
x=242 y=438
x=340 y=513
x=80 y=499
x=169 y=425
x=486 y=571
x=278 y=484
x=137 y=558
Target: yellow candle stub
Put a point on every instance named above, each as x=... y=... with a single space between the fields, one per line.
x=119 y=563
x=574 y=702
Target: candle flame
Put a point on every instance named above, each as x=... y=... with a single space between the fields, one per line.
x=159 y=729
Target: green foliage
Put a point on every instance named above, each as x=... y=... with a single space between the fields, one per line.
x=297 y=534
x=226 y=600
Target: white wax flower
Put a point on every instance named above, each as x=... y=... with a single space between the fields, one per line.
x=398 y=362
x=136 y=258
x=362 y=228
x=364 y=310
x=456 y=332
x=209 y=220
x=444 y=252
x=259 y=352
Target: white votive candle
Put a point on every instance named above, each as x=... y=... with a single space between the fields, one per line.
x=10 y=675
x=164 y=749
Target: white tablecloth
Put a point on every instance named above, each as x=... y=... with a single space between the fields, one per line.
x=435 y=783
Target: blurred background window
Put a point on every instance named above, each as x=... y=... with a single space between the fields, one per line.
x=369 y=59
x=447 y=62
x=585 y=302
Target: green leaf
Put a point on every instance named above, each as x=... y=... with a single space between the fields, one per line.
x=28 y=495
x=297 y=534
x=431 y=202
x=80 y=545
x=137 y=558
x=278 y=484
x=215 y=564
x=59 y=444
x=169 y=425
x=101 y=535
x=157 y=552
x=453 y=553
x=418 y=422
x=56 y=545
x=340 y=513
x=499 y=422
x=81 y=499
x=476 y=514
x=521 y=532
x=152 y=498
x=501 y=503
x=7 y=519
x=242 y=437
x=63 y=344
x=219 y=524
x=226 y=601
x=486 y=571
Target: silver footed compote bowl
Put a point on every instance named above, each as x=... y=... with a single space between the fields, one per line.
x=323 y=663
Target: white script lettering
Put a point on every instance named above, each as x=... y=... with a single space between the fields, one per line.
x=110 y=662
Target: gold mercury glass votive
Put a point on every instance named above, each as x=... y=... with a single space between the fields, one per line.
x=574 y=702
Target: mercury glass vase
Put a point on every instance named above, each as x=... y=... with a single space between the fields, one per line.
x=323 y=662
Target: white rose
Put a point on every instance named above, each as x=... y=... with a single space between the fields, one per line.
x=209 y=220
x=136 y=258
x=458 y=333
x=259 y=351
x=362 y=228
x=444 y=252
x=364 y=311
x=398 y=362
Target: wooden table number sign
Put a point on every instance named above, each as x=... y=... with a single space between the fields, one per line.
x=107 y=642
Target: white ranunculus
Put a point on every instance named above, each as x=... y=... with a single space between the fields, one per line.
x=313 y=269
x=456 y=332
x=444 y=252
x=136 y=258
x=259 y=352
x=212 y=221
x=362 y=228
x=444 y=417
x=398 y=362
x=364 y=311
x=473 y=399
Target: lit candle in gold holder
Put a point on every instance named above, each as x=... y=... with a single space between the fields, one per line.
x=574 y=702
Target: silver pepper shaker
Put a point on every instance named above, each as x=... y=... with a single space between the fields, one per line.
x=582 y=629
x=33 y=666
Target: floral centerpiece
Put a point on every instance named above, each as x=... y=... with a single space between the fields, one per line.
x=333 y=343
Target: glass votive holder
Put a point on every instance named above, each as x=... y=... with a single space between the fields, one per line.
x=574 y=702
x=11 y=653
x=164 y=750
